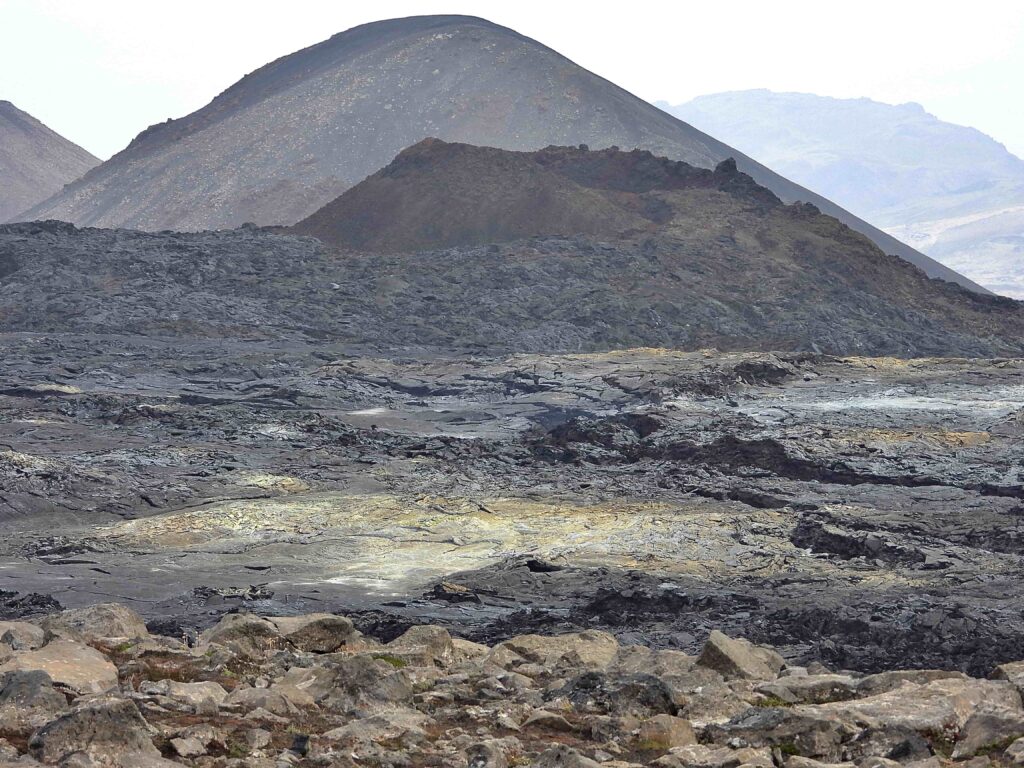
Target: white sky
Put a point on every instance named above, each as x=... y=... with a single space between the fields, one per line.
x=100 y=71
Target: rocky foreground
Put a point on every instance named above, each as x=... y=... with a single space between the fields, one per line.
x=92 y=687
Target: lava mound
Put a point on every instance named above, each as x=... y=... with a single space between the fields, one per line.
x=439 y=195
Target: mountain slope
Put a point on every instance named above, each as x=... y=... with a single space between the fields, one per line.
x=290 y=137
x=35 y=162
x=951 y=191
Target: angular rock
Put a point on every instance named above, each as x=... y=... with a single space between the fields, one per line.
x=703 y=756
x=739 y=659
x=269 y=699
x=940 y=706
x=811 y=689
x=28 y=700
x=188 y=747
x=424 y=645
x=552 y=721
x=1015 y=752
x=639 y=695
x=316 y=632
x=245 y=634
x=194 y=695
x=590 y=650
x=20 y=636
x=404 y=727
x=806 y=733
x=73 y=667
x=1012 y=672
x=881 y=682
x=347 y=683
x=107 y=730
x=96 y=623
x=665 y=732
x=563 y=756
x=988 y=727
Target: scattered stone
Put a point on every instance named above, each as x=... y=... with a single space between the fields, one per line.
x=563 y=757
x=20 y=636
x=28 y=700
x=739 y=659
x=96 y=623
x=188 y=747
x=73 y=667
x=317 y=632
x=109 y=731
x=245 y=634
x=664 y=732
x=988 y=727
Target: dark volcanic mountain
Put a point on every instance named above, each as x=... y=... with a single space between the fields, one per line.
x=630 y=250
x=293 y=135
x=35 y=162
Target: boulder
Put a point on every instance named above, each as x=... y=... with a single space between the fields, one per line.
x=872 y=685
x=108 y=731
x=404 y=727
x=424 y=646
x=315 y=632
x=664 y=732
x=986 y=728
x=73 y=667
x=1015 y=752
x=204 y=695
x=188 y=746
x=940 y=706
x=20 y=636
x=269 y=699
x=738 y=659
x=598 y=693
x=551 y=657
x=810 y=689
x=1012 y=672
x=347 y=683
x=668 y=665
x=563 y=756
x=704 y=756
x=247 y=635
x=96 y=623
x=467 y=650
x=887 y=742
x=796 y=761
x=806 y=733
x=29 y=700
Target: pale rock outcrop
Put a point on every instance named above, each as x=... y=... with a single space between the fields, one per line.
x=316 y=632
x=73 y=667
x=739 y=659
x=96 y=623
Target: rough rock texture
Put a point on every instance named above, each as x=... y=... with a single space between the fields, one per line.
x=734 y=277
x=35 y=162
x=581 y=705
x=859 y=512
x=293 y=135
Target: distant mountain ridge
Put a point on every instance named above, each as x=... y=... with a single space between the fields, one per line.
x=293 y=135
x=951 y=191
x=35 y=161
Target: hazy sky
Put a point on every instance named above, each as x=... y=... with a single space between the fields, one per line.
x=100 y=71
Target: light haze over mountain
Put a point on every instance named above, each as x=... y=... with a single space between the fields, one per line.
x=948 y=190
x=35 y=162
